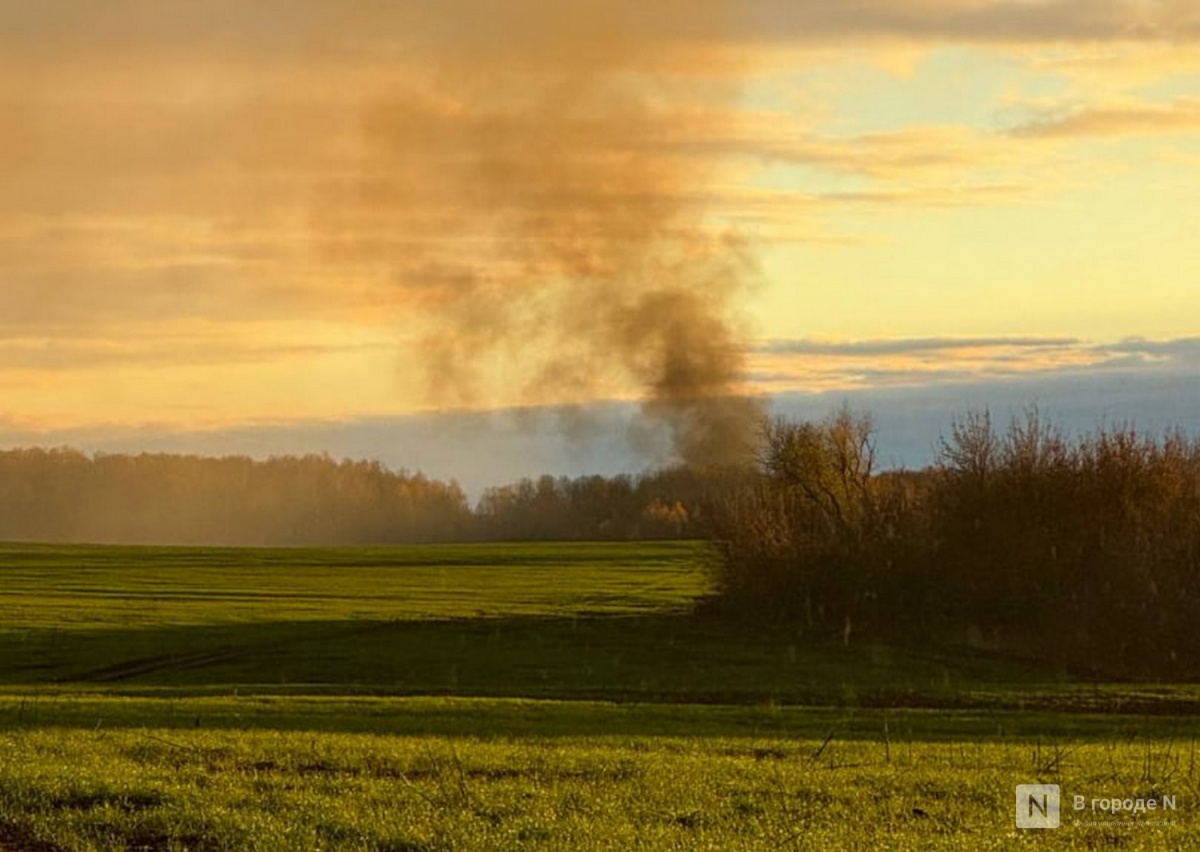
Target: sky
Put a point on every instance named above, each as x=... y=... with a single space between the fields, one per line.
x=324 y=226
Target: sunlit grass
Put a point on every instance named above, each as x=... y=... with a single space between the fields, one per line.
x=522 y=696
x=168 y=788
x=68 y=586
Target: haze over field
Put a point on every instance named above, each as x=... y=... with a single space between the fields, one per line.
x=362 y=227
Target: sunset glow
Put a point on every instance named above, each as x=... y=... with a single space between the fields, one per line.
x=224 y=213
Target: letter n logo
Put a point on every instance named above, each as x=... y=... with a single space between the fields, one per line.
x=1037 y=806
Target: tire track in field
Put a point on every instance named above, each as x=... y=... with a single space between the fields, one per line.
x=137 y=667
x=130 y=669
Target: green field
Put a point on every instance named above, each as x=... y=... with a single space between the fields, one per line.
x=526 y=696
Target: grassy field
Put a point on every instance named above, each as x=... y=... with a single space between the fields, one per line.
x=526 y=696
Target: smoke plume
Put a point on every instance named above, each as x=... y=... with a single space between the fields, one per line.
x=521 y=190
x=540 y=202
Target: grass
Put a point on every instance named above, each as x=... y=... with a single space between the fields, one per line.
x=65 y=587
x=523 y=696
x=265 y=789
x=582 y=621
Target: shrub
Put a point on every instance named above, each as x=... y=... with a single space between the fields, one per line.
x=1086 y=548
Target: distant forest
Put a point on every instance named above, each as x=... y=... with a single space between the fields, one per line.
x=63 y=495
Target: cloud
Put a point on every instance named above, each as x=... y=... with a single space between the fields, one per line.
x=821 y=365
x=904 y=153
x=1179 y=116
x=239 y=161
x=1182 y=350
x=1118 y=67
x=908 y=346
x=992 y=21
x=337 y=28
x=52 y=355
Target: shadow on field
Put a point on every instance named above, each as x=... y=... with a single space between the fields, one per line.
x=662 y=658
x=661 y=675
x=153 y=714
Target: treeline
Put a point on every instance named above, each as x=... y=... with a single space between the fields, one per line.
x=62 y=495
x=664 y=504
x=1084 y=551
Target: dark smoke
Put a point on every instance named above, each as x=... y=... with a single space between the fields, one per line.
x=522 y=188
x=566 y=251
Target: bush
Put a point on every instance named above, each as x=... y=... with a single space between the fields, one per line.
x=1086 y=549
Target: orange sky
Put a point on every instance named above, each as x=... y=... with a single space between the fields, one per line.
x=223 y=213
